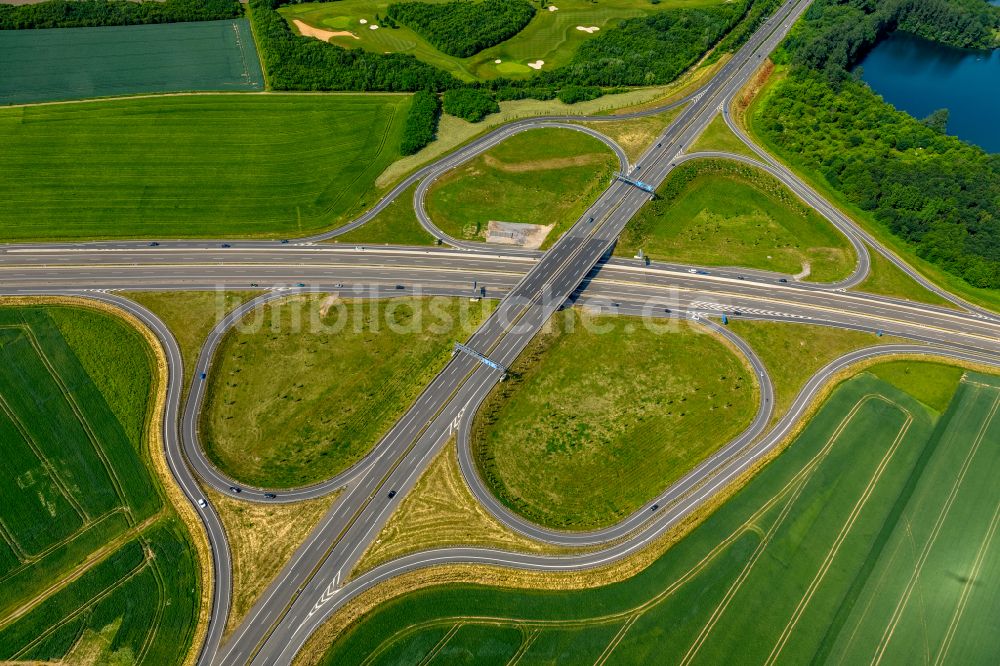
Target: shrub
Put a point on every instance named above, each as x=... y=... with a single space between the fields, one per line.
x=574 y=94
x=90 y=13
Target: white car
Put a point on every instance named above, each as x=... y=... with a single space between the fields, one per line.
x=202 y=503
x=692 y=271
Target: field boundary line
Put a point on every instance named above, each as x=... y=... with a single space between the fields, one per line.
x=161 y=604
x=779 y=520
x=29 y=560
x=436 y=650
x=81 y=417
x=94 y=558
x=932 y=537
x=8 y=537
x=526 y=644
x=967 y=590
x=617 y=639
x=845 y=530
x=44 y=461
x=87 y=606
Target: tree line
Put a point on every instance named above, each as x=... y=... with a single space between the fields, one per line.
x=936 y=192
x=464 y=28
x=91 y=13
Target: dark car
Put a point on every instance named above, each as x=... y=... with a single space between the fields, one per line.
x=203 y=375
x=702 y=272
x=783 y=280
x=154 y=244
x=226 y=245
x=284 y=240
x=400 y=286
x=392 y=493
x=301 y=284
x=740 y=277
x=654 y=507
x=270 y=495
x=254 y=284
x=234 y=489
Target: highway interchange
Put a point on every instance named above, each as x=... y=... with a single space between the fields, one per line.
x=531 y=285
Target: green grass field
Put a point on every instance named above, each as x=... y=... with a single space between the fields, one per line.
x=75 y=63
x=348 y=370
x=397 y=224
x=602 y=414
x=718 y=137
x=872 y=537
x=721 y=213
x=194 y=166
x=552 y=36
x=92 y=561
x=884 y=278
x=544 y=176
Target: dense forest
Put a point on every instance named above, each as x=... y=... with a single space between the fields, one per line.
x=302 y=63
x=464 y=28
x=472 y=104
x=89 y=13
x=935 y=191
x=837 y=33
x=648 y=50
x=421 y=122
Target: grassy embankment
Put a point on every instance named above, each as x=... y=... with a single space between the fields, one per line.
x=718 y=137
x=348 y=370
x=195 y=166
x=867 y=536
x=95 y=562
x=722 y=213
x=551 y=36
x=888 y=281
x=598 y=418
x=545 y=176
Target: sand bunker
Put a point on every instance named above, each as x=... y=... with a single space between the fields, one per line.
x=537 y=64
x=325 y=35
x=592 y=29
x=373 y=27
x=497 y=61
x=553 y=8
x=363 y=21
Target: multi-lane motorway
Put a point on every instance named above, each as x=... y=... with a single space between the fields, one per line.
x=531 y=285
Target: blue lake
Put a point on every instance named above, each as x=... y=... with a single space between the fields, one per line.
x=919 y=76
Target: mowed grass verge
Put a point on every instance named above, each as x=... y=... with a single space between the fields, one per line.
x=94 y=563
x=872 y=534
x=543 y=176
x=75 y=63
x=194 y=166
x=552 y=36
x=304 y=388
x=723 y=213
x=601 y=414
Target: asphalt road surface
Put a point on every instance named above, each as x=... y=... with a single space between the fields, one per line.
x=531 y=285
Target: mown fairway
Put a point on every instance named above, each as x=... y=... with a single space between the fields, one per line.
x=719 y=213
x=598 y=419
x=92 y=562
x=74 y=63
x=871 y=538
x=203 y=165
x=347 y=371
x=542 y=176
x=551 y=36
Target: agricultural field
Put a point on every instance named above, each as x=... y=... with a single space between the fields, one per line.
x=551 y=38
x=349 y=369
x=76 y=63
x=600 y=414
x=872 y=537
x=194 y=166
x=721 y=213
x=546 y=177
x=93 y=563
